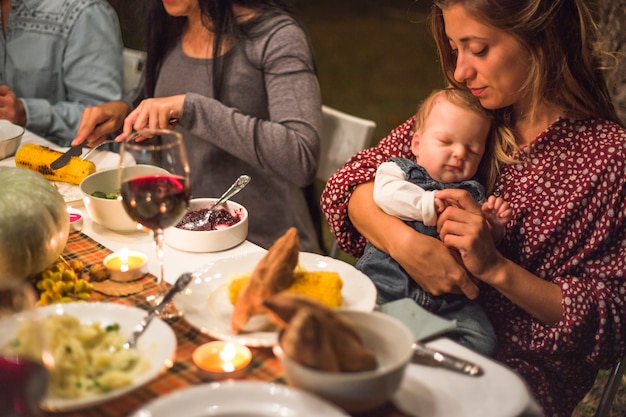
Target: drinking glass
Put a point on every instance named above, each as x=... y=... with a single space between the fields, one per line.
x=24 y=360
x=158 y=199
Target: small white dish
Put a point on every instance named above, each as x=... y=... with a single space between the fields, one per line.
x=76 y=219
x=203 y=241
x=158 y=343
x=239 y=398
x=10 y=138
x=356 y=392
x=206 y=305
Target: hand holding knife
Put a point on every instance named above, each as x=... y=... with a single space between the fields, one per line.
x=75 y=150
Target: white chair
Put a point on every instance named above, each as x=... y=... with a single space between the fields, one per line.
x=134 y=61
x=612 y=384
x=343 y=135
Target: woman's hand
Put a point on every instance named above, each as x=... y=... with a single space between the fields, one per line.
x=154 y=113
x=98 y=121
x=11 y=107
x=463 y=226
x=425 y=259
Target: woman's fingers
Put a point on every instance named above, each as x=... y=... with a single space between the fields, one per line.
x=155 y=113
x=459 y=198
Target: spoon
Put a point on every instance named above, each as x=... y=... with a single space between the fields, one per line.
x=180 y=284
x=237 y=186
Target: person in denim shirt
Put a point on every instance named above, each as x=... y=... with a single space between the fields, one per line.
x=58 y=57
x=453 y=147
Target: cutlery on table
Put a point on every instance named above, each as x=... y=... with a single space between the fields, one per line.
x=76 y=150
x=180 y=284
x=237 y=186
x=64 y=159
x=425 y=355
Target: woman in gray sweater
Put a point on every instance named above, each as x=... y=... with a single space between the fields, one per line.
x=238 y=77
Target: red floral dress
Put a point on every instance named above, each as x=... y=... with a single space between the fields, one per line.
x=568 y=197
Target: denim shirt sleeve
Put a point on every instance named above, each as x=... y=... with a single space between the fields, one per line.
x=92 y=73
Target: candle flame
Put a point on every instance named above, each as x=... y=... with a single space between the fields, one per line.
x=227 y=355
x=124 y=259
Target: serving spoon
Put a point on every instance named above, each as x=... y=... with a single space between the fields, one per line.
x=237 y=186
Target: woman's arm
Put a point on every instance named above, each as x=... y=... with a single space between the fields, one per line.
x=426 y=259
x=283 y=137
x=463 y=227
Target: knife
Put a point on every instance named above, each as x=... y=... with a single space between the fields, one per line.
x=424 y=355
x=64 y=159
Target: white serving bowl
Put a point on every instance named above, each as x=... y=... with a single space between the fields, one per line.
x=106 y=212
x=209 y=240
x=10 y=138
x=391 y=342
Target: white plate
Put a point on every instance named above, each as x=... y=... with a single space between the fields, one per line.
x=239 y=398
x=158 y=343
x=434 y=392
x=206 y=306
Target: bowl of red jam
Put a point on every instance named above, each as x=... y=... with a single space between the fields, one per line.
x=226 y=228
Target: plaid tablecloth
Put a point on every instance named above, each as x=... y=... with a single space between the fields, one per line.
x=264 y=366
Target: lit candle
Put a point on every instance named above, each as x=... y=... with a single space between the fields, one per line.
x=126 y=265
x=222 y=359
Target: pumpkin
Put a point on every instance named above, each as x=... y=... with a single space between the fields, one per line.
x=34 y=224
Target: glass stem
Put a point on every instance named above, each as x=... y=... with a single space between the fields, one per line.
x=158 y=242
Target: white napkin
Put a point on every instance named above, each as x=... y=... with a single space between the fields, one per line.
x=420 y=321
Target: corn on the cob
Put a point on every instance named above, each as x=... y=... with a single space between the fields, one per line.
x=38 y=158
x=322 y=286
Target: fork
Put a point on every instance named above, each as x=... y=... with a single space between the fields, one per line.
x=90 y=151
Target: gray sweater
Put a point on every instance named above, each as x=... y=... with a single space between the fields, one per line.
x=266 y=125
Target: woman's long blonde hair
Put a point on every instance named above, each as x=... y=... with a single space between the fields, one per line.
x=566 y=67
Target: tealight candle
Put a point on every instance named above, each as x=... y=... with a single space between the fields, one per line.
x=126 y=265
x=221 y=359
x=76 y=219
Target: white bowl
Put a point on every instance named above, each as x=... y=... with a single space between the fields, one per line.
x=10 y=138
x=106 y=212
x=209 y=240
x=356 y=392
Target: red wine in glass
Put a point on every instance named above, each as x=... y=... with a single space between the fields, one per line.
x=155 y=201
x=155 y=191
x=24 y=385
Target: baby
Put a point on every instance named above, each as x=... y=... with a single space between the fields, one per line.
x=454 y=147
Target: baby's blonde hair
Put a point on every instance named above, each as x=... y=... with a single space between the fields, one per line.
x=494 y=156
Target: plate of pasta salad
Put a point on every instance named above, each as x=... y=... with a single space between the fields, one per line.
x=90 y=363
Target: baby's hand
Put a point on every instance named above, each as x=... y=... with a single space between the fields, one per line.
x=497 y=211
x=440 y=206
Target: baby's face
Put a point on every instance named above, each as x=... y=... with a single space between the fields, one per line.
x=451 y=143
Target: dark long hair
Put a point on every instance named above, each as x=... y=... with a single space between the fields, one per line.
x=163 y=31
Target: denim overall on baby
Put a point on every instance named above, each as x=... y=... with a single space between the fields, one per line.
x=393 y=283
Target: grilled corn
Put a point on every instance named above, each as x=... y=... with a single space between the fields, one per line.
x=38 y=158
x=322 y=286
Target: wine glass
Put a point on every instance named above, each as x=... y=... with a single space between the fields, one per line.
x=24 y=360
x=158 y=199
